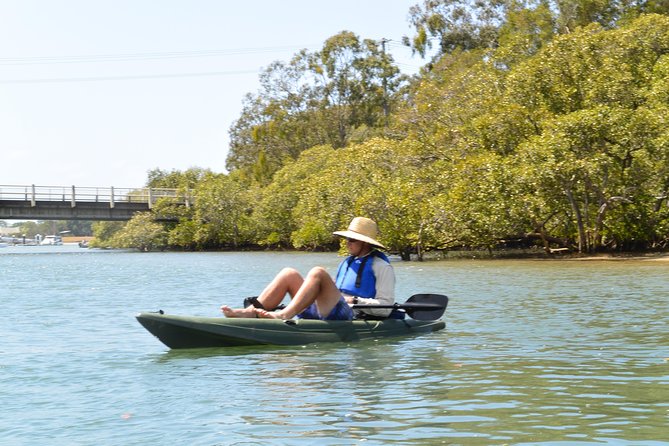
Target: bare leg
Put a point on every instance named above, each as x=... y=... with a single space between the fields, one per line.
x=317 y=287
x=288 y=281
x=237 y=312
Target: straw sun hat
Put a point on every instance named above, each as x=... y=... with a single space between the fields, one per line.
x=363 y=229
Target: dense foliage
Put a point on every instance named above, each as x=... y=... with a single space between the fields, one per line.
x=536 y=123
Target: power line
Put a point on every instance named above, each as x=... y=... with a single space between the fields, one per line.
x=146 y=56
x=125 y=78
x=131 y=57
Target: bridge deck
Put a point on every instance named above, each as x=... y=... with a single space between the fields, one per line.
x=79 y=203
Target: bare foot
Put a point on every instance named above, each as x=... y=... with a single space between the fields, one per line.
x=237 y=312
x=270 y=314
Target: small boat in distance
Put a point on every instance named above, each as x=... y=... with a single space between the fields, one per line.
x=52 y=240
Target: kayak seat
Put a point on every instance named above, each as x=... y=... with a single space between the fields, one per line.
x=253 y=300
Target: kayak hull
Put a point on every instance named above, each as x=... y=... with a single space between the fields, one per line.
x=179 y=332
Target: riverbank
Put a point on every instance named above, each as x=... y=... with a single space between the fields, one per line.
x=655 y=257
x=508 y=254
x=530 y=254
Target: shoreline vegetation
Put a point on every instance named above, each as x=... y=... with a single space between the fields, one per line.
x=652 y=256
x=540 y=255
x=511 y=254
x=455 y=254
x=533 y=125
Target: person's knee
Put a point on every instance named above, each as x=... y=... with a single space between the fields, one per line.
x=318 y=272
x=290 y=273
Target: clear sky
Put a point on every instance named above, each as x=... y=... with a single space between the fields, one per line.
x=99 y=92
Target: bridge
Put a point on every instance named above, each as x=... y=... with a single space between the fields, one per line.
x=81 y=203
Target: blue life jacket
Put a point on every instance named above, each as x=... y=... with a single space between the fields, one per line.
x=355 y=276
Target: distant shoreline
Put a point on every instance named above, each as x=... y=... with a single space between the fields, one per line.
x=658 y=257
x=540 y=256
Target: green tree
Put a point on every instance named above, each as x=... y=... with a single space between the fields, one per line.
x=321 y=98
x=222 y=210
x=141 y=233
x=600 y=131
x=355 y=81
x=278 y=122
x=274 y=211
x=104 y=233
x=602 y=162
x=176 y=179
x=524 y=32
x=167 y=208
x=580 y=124
x=523 y=25
x=378 y=179
x=481 y=203
x=455 y=25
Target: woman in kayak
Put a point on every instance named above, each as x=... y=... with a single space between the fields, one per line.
x=365 y=277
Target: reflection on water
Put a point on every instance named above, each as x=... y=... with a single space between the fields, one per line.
x=567 y=353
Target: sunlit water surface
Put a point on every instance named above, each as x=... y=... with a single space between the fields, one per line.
x=534 y=352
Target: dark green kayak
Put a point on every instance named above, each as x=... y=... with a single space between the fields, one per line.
x=196 y=332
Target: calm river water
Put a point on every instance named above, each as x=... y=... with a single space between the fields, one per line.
x=534 y=353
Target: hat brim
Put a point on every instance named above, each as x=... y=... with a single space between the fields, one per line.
x=356 y=236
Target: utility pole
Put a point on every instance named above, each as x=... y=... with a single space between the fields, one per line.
x=384 y=81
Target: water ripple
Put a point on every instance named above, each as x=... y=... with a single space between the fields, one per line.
x=534 y=353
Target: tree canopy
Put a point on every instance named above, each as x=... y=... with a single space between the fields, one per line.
x=538 y=123
x=334 y=96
